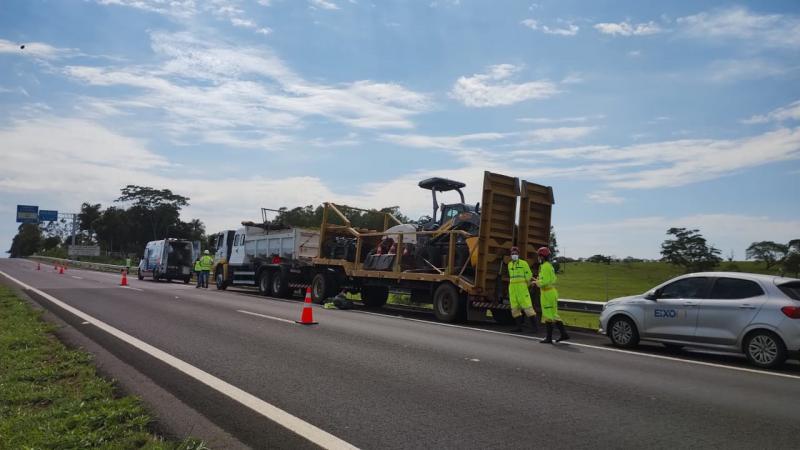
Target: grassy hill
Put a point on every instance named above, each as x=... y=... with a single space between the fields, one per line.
x=592 y=281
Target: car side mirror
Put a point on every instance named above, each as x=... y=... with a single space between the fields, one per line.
x=653 y=295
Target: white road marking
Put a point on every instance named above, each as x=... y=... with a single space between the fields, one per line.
x=267 y=317
x=77 y=278
x=277 y=415
x=596 y=347
x=84 y=323
x=132 y=288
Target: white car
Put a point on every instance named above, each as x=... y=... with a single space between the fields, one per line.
x=758 y=315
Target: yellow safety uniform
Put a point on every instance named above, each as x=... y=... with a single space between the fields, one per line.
x=548 y=292
x=206 y=261
x=520 y=276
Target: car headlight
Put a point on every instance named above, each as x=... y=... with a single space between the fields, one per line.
x=605 y=305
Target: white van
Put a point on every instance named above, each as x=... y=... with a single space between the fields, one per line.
x=169 y=259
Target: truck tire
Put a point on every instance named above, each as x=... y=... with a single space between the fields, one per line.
x=280 y=285
x=503 y=316
x=448 y=304
x=322 y=288
x=264 y=282
x=219 y=280
x=140 y=275
x=186 y=280
x=374 y=296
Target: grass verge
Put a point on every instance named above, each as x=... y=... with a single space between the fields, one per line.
x=52 y=397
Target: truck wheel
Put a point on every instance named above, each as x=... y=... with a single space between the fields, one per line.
x=322 y=288
x=448 y=304
x=186 y=280
x=264 y=282
x=503 y=316
x=280 y=285
x=219 y=280
x=156 y=277
x=374 y=296
x=140 y=275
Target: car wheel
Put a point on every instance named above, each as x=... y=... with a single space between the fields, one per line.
x=622 y=332
x=764 y=349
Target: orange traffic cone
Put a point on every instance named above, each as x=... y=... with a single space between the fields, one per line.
x=61 y=270
x=124 y=281
x=307 y=318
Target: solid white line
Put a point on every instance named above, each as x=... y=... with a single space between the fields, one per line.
x=277 y=415
x=596 y=347
x=267 y=317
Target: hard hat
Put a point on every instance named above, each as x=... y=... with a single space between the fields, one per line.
x=205 y=252
x=544 y=252
x=515 y=250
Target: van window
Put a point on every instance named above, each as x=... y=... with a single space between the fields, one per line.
x=733 y=288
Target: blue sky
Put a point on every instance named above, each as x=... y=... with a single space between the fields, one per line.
x=641 y=115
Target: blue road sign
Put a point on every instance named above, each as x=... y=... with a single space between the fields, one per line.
x=27 y=214
x=46 y=215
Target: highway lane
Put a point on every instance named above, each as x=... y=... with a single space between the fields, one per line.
x=379 y=381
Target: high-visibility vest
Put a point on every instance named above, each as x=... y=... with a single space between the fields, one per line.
x=519 y=271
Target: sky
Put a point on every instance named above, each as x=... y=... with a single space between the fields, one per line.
x=641 y=115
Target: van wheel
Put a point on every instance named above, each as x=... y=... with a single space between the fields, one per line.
x=139 y=275
x=264 y=282
x=374 y=296
x=622 y=332
x=156 y=277
x=448 y=304
x=764 y=349
x=322 y=288
x=280 y=285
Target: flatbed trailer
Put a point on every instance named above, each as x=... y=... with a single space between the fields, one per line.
x=458 y=291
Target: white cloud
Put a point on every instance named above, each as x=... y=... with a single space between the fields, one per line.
x=628 y=29
x=635 y=53
x=494 y=88
x=35 y=50
x=243 y=23
x=176 y=8
x=642 y=236
x=441 y=142
x=550 y=120
x=204 y=85
x=264 y=30
x=788 y=112
x=323 y=4
x=723 y=71
x=544 y=135
x=568 y=28
x=605 y=197
x=767 y=30
x=676 y=163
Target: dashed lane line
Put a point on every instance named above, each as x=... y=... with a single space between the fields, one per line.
x=271 y=412
x=267 y=317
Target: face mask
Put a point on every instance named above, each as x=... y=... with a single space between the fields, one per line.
x=514 y=257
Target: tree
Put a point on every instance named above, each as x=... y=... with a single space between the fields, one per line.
x=27 y=241
x=553 y=242
x=88 y=216
x=600 y=259
x=767 y=251
x=791 y=262
x=160 y=207
x=689 y=250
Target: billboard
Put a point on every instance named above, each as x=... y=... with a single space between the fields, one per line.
x=27 y=214
x=46 y=215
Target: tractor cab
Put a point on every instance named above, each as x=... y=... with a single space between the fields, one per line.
x=453 y=214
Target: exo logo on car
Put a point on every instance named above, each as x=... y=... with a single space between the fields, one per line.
x=668 y=313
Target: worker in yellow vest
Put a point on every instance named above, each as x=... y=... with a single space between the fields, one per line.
x=520 y=276
x=206 y=261
x=549 y=297
x=198 y=272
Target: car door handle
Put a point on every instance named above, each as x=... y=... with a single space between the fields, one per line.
x=747 y=307
x=690 y=304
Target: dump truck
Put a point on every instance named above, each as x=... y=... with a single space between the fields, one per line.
x=274 y=257
x=454 y=259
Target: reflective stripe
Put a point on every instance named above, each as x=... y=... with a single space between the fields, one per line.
x=549 y=288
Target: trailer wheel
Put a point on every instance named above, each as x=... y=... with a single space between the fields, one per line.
x=219 y=280
x=374 y=296
x=322 y=288
x=264 y=282
x=503 y=316
x=280 y=285
x=448 y=304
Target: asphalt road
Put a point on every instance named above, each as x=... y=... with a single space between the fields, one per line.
x=383 y=381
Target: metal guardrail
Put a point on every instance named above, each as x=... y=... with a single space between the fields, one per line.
x=86 y=264
x=581 y=306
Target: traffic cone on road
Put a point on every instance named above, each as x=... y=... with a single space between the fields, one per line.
x=61 y=270
x=124 y=281
x=307 y=318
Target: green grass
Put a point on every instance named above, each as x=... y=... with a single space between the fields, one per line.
x=51 y=397
x=591 y=281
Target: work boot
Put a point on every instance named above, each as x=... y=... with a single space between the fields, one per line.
x=519 y=321
x=549 y=338
x=563 y=333
x=534 y=324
